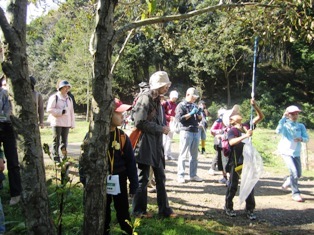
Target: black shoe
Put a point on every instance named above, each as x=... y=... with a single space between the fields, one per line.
x=203 y=150
x=57 y=159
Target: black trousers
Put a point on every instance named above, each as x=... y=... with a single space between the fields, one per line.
x=7 y=137
x=232 y=189
x=121 y=205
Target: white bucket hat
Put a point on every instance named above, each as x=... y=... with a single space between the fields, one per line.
x=159 y=79
x=64 y=83
x=229 y=113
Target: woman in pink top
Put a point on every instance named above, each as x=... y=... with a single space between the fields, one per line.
x=61 y=118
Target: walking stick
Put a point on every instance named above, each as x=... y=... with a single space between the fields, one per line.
x=253 y=80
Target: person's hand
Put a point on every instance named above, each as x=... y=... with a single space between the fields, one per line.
x=194 y=111
x=298 y=139
x=249 y=133
x=199 y=112
x=41 y=125
x=165 y=130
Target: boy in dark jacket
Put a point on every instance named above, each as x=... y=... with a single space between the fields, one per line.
x=122 y=166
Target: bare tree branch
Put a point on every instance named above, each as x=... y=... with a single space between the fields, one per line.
x=163 y=19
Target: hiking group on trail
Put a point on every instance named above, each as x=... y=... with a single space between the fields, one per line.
x=150 y=117
x=140 y=158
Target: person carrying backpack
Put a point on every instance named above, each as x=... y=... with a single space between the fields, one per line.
x=218 y=130
x=149 y=119
x=237 y=136
x=61 y=118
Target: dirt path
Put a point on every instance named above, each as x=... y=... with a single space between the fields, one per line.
x=275 y=209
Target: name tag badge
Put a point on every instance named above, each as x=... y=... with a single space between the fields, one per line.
x=113 y=185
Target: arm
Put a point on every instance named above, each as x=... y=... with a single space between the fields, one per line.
x=130 y=166
x=260 y=116
x=237 y=140
x=145 y=116
x=52 y=107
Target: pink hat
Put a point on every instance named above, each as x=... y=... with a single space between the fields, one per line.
x=292 y=109
x=120 y=107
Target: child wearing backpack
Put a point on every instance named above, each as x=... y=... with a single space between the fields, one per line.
x=237 y=136
x=122 y=166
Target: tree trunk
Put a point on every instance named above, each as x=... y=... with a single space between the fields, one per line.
x=25 y=122
x=93 y=158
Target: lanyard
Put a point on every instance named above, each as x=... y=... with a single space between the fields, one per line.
x=111 y=158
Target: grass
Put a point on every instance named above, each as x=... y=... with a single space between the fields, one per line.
x=264 y=140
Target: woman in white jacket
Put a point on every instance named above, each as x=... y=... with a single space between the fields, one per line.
x=61 y=118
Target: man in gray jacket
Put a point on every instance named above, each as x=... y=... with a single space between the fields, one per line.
x=149 y=117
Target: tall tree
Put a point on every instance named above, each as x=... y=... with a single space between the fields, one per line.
x=15 y=66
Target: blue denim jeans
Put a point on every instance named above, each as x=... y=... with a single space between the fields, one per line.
x=2 y=226
x=294 y=166
x=189 y=142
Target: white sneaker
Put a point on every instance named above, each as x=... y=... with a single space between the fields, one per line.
x=211 y=172
x=196 y=179
x=15 y=200
x=181 y=180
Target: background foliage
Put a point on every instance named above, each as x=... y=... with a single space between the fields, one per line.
x=213 y=52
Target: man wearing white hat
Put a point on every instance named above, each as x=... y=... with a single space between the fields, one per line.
x=170 y=111
x=293 y=133
x=149 y=118
x=189 y=115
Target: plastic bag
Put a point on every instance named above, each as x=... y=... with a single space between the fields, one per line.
x=251 y=171
x=175 y=126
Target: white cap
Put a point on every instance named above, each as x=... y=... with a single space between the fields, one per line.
x=293 y=109
x=221 y=111
x=173 y=94
x=193 y=92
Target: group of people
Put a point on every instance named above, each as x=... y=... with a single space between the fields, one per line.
x=153 y=115
x=8 y=147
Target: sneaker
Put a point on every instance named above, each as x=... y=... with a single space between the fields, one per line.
x=15 y=200
x=223 y=181
x=286 y=183
x=211 y=172
x=181 y=180
x=169 y=157
x=297 y=198
x=230 y=212
x=250 y=214
x=196 y=179
x=145 y=215
x=203 y=150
